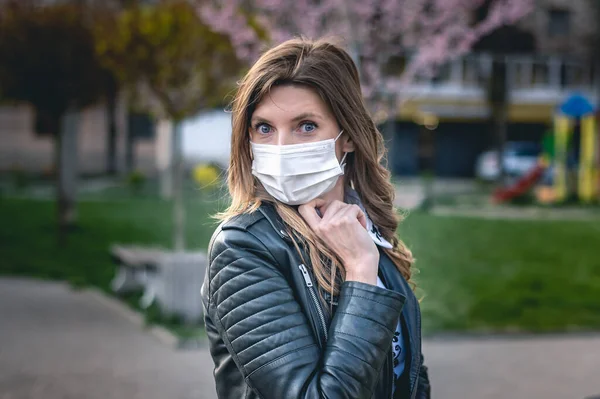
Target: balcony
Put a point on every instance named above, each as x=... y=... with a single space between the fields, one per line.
x=536 y=79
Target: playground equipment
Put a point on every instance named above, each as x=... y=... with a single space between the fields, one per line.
x=523 y=185
x=576 y=111
x=575 y=115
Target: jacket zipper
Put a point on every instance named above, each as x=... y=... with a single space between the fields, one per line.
x=390 y=374
x=313 y=295
x=416 y=385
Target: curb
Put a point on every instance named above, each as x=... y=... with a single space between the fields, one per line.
x=534 y=214
x=165 y=336
x=470 y=336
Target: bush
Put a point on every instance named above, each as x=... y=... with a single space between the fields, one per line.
x=19 y=178
x=206 y=176
x=136 y=181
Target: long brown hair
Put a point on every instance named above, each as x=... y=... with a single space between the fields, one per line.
x=329 y=70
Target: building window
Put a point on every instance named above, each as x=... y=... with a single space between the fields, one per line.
x=559 y=23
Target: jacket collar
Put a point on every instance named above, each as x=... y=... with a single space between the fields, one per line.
x=269 y=212
x=350 y=197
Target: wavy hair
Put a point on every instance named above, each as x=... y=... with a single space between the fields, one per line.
x=328 y=69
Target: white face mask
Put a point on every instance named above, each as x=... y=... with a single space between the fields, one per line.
x=298 y=173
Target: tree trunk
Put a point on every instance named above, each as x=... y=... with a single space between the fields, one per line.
x=498 y=98
x=164 y=157
x=130 y=146
x=390 y=132
x=428 y=175
x=178 y=198
x=66 y=173
x=111 y=143
x=499 y=118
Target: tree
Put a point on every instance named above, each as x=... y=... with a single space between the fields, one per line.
x=102 y=15
x=48 y=61
x=175 y=65
x=504 y=41
x=112 y=95
x=105 y=19
x=379 y=33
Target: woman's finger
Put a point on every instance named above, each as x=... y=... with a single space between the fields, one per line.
x=333 y=210
x=354 y=211
x=309 y=213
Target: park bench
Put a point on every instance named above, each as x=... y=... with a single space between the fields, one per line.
x=171 y=279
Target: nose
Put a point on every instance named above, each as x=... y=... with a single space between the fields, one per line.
x=284 y=138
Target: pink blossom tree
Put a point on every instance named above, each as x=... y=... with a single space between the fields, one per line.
x=376 y=32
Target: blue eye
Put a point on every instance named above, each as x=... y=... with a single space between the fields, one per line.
x=308 y=127
x=263 y=128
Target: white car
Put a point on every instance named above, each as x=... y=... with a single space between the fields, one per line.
x=519 y=158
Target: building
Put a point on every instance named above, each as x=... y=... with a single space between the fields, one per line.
x=205 y=137
x=536 y=83
x=22 y=149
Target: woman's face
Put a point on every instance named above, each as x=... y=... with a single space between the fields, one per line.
x=293 y=114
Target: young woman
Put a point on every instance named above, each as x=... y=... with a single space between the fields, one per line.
x=307 y=293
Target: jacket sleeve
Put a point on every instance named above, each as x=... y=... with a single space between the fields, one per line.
x=270 y=339
x=423 y=385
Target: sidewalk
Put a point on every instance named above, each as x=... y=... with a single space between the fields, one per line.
x=468 y=200
x=56 y=343
x=559 y=367
x=410 y=191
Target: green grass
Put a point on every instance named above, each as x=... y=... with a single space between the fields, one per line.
x=508 y=276
x=476 y=275
x=28 y=236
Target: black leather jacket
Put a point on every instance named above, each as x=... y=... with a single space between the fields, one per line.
x=270 y=338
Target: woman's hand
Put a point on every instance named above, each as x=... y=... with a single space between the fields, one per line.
x=343 y=228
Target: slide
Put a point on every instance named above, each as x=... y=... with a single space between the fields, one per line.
x=521 y=186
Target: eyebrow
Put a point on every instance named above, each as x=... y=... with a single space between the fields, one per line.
x=304 y=115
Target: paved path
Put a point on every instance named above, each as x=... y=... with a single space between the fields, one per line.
x=470 y=201
x=410 y=191
x=526 y=368
x=56 y=343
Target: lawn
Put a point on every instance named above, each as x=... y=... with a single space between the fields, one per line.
x=508 y=276
x=28 y=241
x=476 y=275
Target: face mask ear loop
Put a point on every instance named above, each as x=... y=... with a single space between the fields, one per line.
x=342 y=163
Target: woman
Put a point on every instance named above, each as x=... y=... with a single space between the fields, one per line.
x=306 y=295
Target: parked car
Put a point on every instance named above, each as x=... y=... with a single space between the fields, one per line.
x=518 y=159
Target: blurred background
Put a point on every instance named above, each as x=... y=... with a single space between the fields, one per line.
x=114 y=146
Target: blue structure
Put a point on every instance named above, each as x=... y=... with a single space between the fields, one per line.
x=576 y=106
